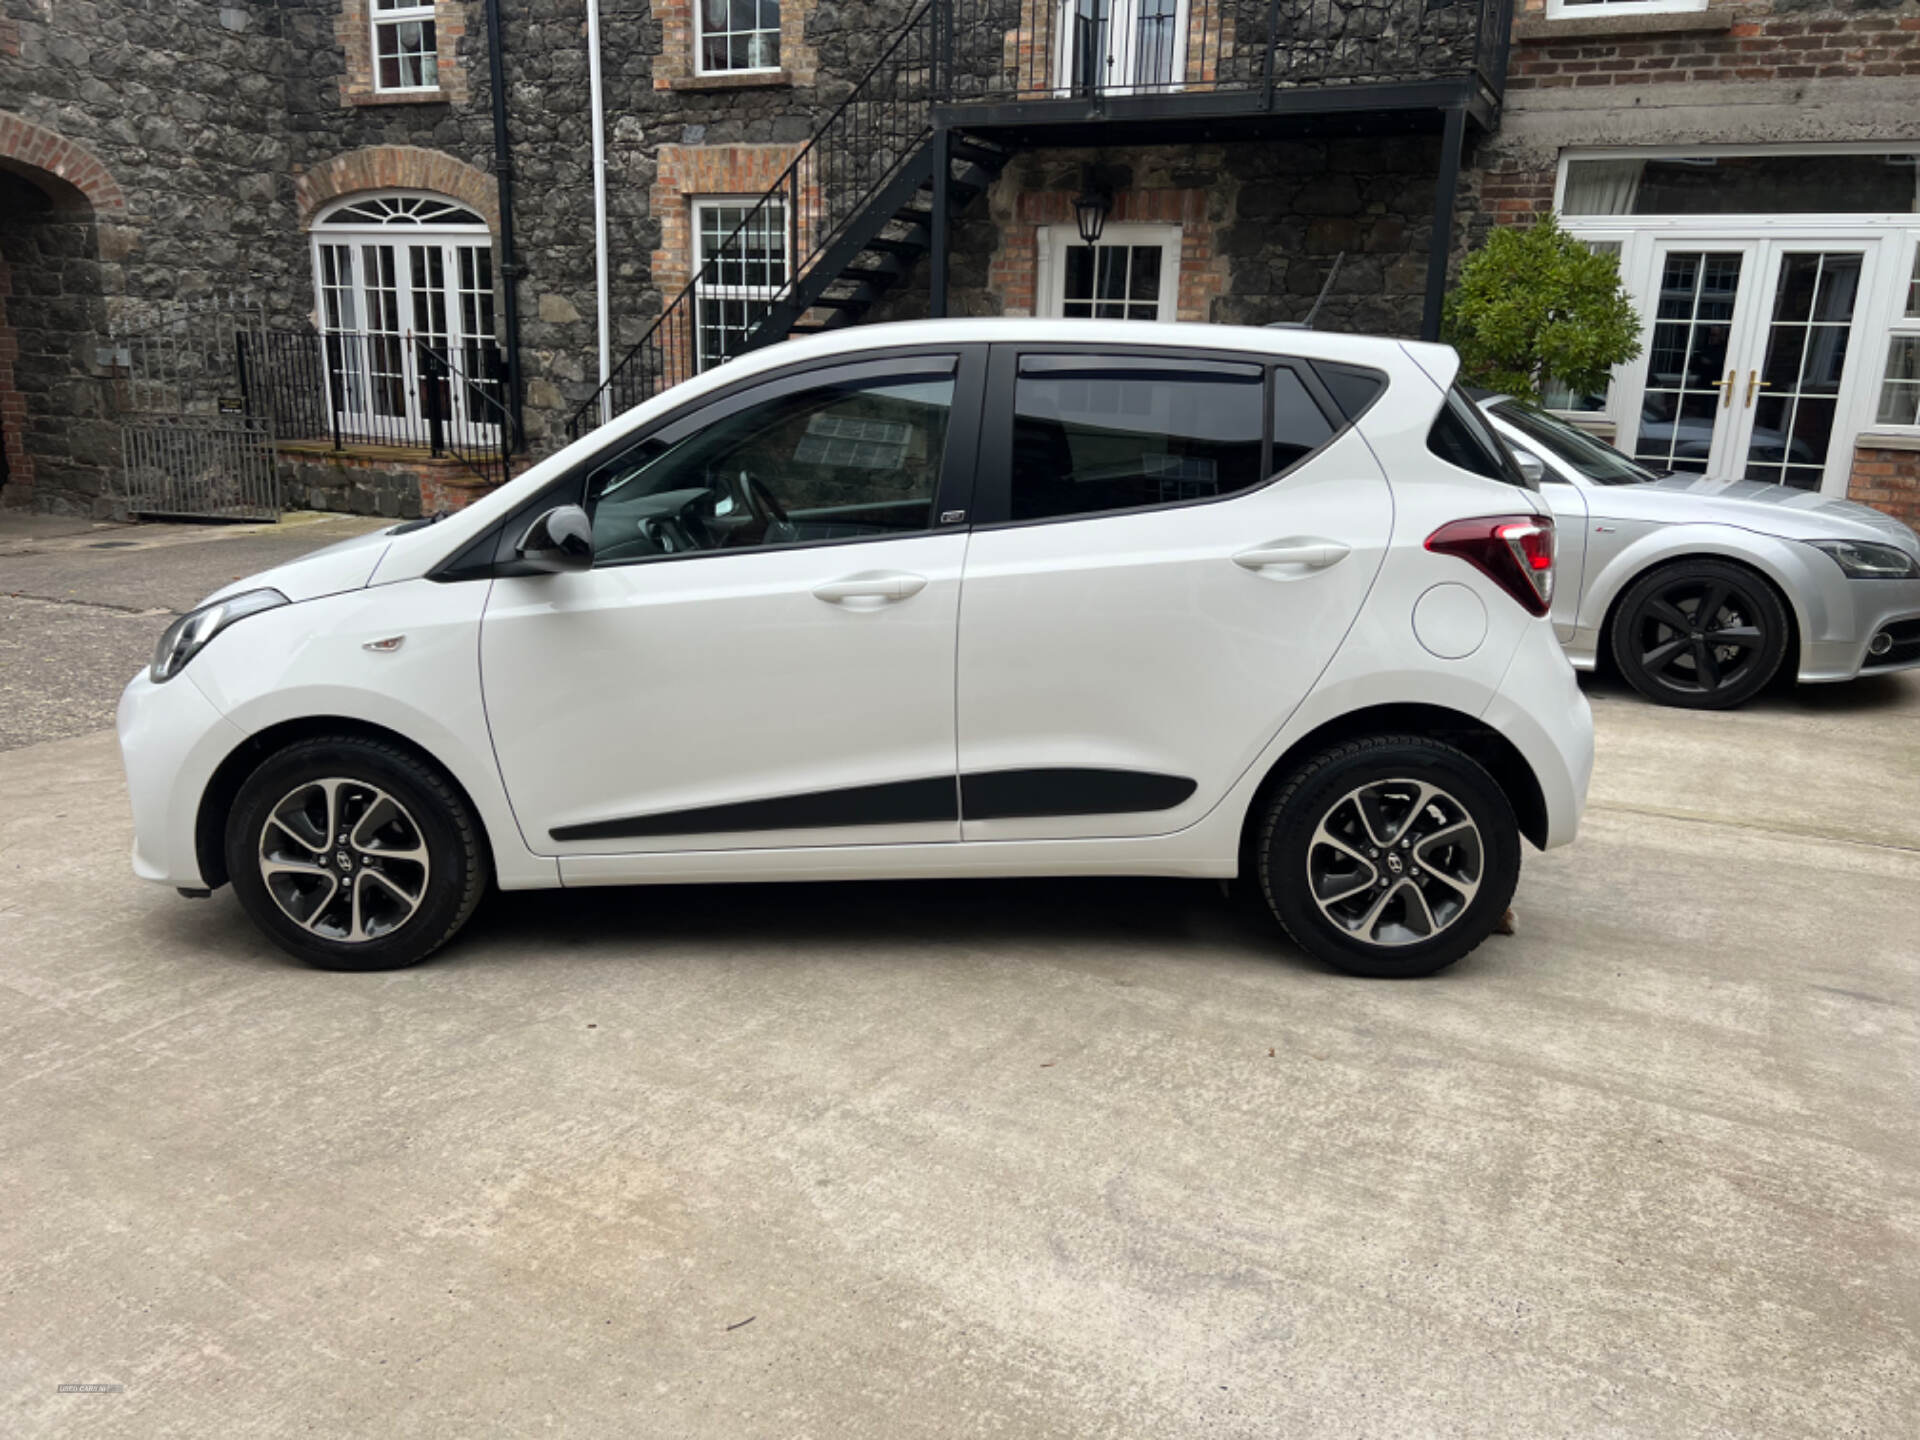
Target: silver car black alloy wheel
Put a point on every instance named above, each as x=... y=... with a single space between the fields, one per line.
x=344 y=859
x=1395 y=862
x=1699 y=635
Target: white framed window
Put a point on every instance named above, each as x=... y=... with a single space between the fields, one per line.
x=1575 y=9
x=733 y=37
x=1132 y=274
x=405 y=48
x=394 y=273
x=1899 y=400
x=736 y=278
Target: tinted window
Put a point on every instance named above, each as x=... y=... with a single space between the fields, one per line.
x=837 y=461
x=1100 y=434
x=1461 y=436
x=1593 y=458
x=1353 y=390
x=1299 y=424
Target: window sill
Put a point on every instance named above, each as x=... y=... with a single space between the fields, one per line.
x=1582 y=27
x=738 y=80
x=1887 y=440
x=397 y=97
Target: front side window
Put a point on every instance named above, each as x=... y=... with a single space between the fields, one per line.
x=1599 y=462
x=1900 y=388
x=405 y=53
x=740 y=267
x=1093 y=434
x=737 y=35
x=853 y=459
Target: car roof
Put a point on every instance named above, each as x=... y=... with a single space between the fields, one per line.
x=1439 y=362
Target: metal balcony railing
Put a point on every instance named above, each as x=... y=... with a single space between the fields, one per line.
x=1085 y=55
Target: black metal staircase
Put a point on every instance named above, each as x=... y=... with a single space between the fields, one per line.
x=966 y=83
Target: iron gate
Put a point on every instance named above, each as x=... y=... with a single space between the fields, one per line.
x=189 y=449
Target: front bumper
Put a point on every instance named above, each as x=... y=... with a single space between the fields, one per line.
x=1858 y=610
x=172 y=739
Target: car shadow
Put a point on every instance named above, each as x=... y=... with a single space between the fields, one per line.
x=1870 y=694
x=1113 y=914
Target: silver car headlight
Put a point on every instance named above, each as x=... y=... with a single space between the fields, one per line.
x=188 y=636
x=1864 y=560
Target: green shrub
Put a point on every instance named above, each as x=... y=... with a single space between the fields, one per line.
x=1535 y=304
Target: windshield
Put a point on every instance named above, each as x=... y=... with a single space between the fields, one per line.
x=1595 y=459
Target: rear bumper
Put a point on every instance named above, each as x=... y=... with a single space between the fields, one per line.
x=172 y=739
x=1542 y=710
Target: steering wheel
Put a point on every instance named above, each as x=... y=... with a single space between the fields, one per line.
x=760 y=500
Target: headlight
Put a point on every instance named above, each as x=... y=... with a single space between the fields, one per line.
x=1863 y=560
x=188 y=635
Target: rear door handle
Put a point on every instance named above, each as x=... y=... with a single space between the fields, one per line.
x=1307 y=551
x=875 y=588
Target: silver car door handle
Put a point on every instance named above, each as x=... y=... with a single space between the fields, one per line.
x=881 y=586
x=1314 y=554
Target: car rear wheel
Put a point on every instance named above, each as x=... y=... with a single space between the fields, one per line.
x=353 y=854
x=1702 y=634
x=1389 y=857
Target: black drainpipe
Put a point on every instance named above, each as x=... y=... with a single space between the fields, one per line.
x=503 y=172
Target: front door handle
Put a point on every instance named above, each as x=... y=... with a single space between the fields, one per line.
x=870 y=590
x=1312 y=553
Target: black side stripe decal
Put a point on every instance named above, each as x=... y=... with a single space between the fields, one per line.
x=1025 y=794
x=985 y=795
x=899 y=802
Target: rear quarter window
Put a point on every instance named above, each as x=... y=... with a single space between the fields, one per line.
x=1462 y=437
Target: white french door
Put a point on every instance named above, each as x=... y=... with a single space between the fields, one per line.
x=1749 y=370
x=1121 y=47
x=385 y=302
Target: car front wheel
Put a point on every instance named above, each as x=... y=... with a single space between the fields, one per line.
x=1389 y=857
x=1700 y=634
x=353 y=854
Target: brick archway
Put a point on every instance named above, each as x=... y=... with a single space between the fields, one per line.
x=396 y=167
x=26 y=148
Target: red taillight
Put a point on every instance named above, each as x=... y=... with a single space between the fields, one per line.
x=1513 y=551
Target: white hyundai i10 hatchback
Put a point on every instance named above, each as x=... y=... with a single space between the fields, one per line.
x=954 y=598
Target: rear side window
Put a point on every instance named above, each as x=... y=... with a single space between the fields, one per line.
x=1299 y=425
x=1353 y=389
x=1461 y=436
x=1094 y=433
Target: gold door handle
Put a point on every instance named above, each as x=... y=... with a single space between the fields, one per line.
x=1754 y=382
x=1726 y=390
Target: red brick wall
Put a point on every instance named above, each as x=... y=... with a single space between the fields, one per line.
x=1887 y=480
x=1757 y=46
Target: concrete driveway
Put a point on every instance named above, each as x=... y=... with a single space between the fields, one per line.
x=1087 y=1159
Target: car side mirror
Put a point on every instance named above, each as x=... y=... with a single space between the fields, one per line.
x=561 y=539
x=1531 y=466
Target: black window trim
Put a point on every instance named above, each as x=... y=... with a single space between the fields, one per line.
x=993 y=490
x=490 y=554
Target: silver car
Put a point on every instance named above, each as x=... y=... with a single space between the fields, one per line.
x=1700 y=589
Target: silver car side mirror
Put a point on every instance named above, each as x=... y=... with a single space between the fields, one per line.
x=1531 y=465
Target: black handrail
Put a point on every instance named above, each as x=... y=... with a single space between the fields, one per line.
x=358 y=388
x=753 y=285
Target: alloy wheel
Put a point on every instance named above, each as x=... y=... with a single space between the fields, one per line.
x=1395 y=862
x=344 y=860
x=1699 y=636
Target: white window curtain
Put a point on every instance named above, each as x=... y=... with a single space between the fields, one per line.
x=1601 y=187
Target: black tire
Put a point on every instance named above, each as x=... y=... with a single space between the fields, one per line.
x=1420 y=866
x=418 y=811
x=1701 y=634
